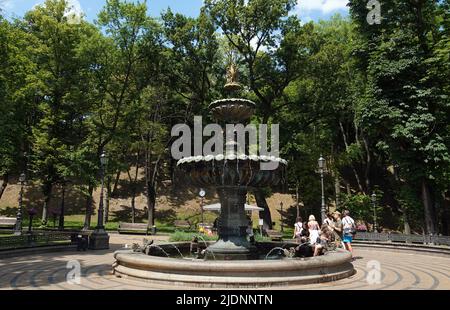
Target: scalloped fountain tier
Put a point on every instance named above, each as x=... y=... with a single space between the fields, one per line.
x=232 y=109
x=241 y=170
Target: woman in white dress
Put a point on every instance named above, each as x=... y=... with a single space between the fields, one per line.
x=314 y=229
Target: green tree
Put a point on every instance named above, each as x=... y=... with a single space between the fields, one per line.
x=116 y=67
x=404 y=109
x=60 y=129
x=17 y=94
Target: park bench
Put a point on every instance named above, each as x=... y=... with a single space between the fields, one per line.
x=274 y=235
x=135 y=228
x=183 y=224
x=7 y=222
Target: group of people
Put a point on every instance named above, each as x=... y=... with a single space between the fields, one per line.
x=336 y=231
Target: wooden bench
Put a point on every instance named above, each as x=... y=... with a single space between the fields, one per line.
x=274 y=235
x=182 y=224
x=8 y=222
x=135 y=228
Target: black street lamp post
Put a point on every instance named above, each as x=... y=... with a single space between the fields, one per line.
x=281 y=213
x=108 y=197
x=374 y=203
x=323 y=210
x=18 y=228
x=99 y=239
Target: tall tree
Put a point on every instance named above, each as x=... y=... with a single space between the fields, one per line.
x=114 y=68
x=61 y=105
x=17 y=94
x=404 y=109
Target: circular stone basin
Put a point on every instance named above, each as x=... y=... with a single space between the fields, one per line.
x=332 y=266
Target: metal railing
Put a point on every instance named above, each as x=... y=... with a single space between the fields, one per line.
x=402 y=238
x=37 y=239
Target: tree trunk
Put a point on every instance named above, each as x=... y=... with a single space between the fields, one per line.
x=151 y=202
x=368 y=164
x=348 y=188
x=407 y=228
x=116 y=184
x=47 y=197
x=108 y=197
x=87 y=217
x=445 y=214
x=355 y=173
x=265 y=214
x=133 y=206
x=62 y=211
x=337 y=188
x=430 y=215
x=5 y=179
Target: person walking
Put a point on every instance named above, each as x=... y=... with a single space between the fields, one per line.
x=349 y=228
x=313 y=228
x=298 y=228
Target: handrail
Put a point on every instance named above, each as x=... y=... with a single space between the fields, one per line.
x=403 y=238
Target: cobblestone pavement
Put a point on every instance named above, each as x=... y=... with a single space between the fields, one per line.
x=398 y=270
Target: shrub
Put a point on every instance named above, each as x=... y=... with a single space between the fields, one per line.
x=179 y=236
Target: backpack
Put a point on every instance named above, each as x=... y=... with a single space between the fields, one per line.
x=350 y=230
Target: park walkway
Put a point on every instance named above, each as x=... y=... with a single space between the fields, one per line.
x=399 y=270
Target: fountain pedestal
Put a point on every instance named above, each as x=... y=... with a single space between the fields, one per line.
x=232 y=227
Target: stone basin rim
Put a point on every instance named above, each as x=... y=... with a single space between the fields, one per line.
x=332 y=266
x=143 y=261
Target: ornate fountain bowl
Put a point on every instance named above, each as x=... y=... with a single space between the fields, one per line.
x=237 y=171
x=232 y=110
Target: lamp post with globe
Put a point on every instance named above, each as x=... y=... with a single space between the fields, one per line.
x=18 y=228
x=323 y=210
x=374 y=203
x=202 y=194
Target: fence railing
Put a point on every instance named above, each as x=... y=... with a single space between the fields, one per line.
x=37 y=239
x=402 y=238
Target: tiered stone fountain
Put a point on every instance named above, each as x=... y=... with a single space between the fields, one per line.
x=232 y=261
x=232 y=173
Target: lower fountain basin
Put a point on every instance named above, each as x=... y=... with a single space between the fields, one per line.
x=332 y=266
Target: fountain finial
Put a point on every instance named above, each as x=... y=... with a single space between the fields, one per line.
x=232 y=78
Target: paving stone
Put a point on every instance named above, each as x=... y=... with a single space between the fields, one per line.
x=398 y=270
